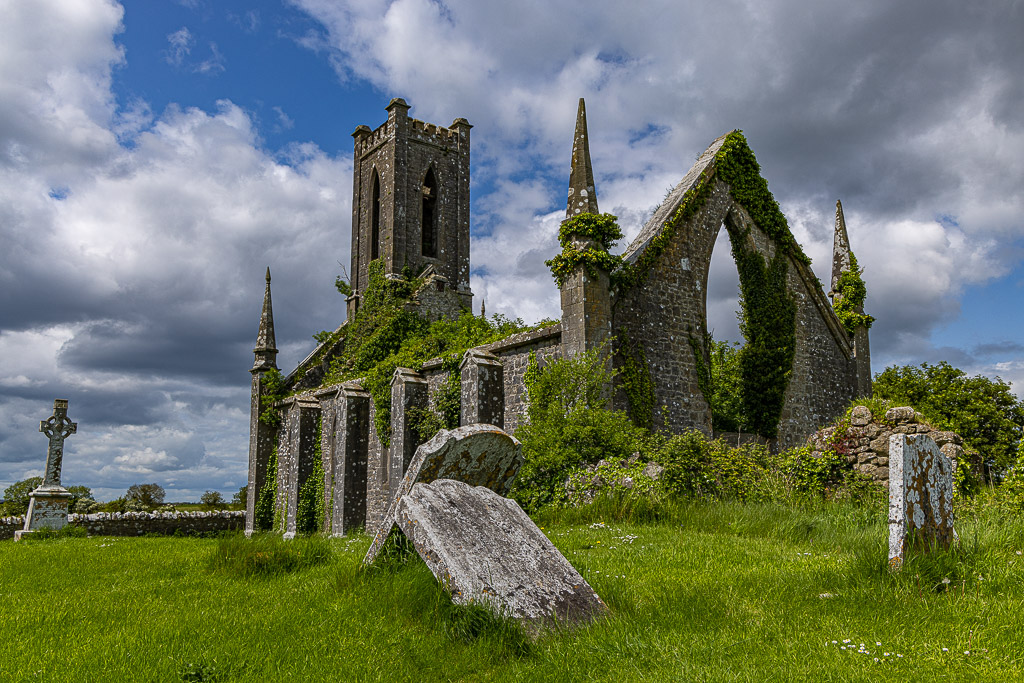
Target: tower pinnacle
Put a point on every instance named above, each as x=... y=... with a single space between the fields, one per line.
x=582 y=194
x=840 y=249
x=266 y=345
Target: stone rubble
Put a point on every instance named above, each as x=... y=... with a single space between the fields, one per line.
x=866 y=440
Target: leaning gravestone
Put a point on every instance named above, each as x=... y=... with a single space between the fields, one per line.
x=479 y=455
x=48 y=504
x=920 y=496
x=484 y=549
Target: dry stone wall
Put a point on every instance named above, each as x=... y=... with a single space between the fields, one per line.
x=142 y=523
x=866 y=440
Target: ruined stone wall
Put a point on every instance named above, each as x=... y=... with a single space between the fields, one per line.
x=866 y=440
x=142 y=523
x=514 y=354
x=664 y=317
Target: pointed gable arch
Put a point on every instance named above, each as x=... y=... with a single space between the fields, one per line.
x=661 y=302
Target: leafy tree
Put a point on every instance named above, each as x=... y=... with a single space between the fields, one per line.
x=79 y=493
x=242 y=496
x=212 y=499
x=982 y=410
x=147 y=495
x=726 y=398
x=16 y=496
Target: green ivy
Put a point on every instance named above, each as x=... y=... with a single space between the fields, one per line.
x=635 y=380
x=849 y=298
x=601 y=228
x=309 y=515
x=272 y=391
x=735 y=164
x=383 y=336
x=768 y=323
x=263 y=512
x=426 y=422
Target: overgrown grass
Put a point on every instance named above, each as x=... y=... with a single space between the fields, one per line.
x=720 y=591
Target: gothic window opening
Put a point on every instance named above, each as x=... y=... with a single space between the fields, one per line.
x=429 y=215
x=375 y=219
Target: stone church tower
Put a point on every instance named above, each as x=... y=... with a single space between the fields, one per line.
x=410 y=202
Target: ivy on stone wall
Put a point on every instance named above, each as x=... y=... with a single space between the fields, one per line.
x=768 y=323
x=735 y=164
x=635 y=380
x=263 y=512
x=272 y=391
x=602 y=229
x=309 y=514
x=447 y=408
x=849 y=299
x=630 y=275
x=383 y=336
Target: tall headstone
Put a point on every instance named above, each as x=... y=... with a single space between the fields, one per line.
x=48 y=505
x=920 y=496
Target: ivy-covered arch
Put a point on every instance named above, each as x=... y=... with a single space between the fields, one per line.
x=660 y=306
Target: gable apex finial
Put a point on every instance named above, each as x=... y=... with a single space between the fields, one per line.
x=582 y=193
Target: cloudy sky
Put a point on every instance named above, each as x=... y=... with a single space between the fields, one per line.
x=155 y=157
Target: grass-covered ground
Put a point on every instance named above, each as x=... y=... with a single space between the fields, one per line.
x=706 y=591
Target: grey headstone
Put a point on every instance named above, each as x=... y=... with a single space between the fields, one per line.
x=484 y=549
x=479 y=455
x=920 y=495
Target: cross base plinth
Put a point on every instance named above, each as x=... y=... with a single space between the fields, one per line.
x=47 y=509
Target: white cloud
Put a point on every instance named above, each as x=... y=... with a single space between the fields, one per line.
x=179 y=46
x=132 y=275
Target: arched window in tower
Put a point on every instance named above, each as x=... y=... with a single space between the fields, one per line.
x=428 y=218
x=375 y=218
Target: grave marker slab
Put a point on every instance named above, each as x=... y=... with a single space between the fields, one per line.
x=479 y=455
x=484 y=549
x=920 y=495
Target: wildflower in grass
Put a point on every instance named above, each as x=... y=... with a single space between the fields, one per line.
x=945 y=649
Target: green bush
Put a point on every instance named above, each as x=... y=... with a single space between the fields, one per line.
x=697 y=467
x=569 y=426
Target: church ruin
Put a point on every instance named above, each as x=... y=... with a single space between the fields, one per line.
x=410 y=214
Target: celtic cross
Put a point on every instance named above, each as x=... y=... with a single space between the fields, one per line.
x=57 y=427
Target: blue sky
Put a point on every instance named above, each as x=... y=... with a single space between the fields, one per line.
x=155 y=157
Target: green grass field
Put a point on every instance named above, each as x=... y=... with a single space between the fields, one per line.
x=707 y=591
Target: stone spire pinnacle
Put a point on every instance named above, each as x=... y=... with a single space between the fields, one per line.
x=582 y=194
x=840 y=249
x=266 y=345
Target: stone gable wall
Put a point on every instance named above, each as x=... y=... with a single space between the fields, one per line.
x=667 y=313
